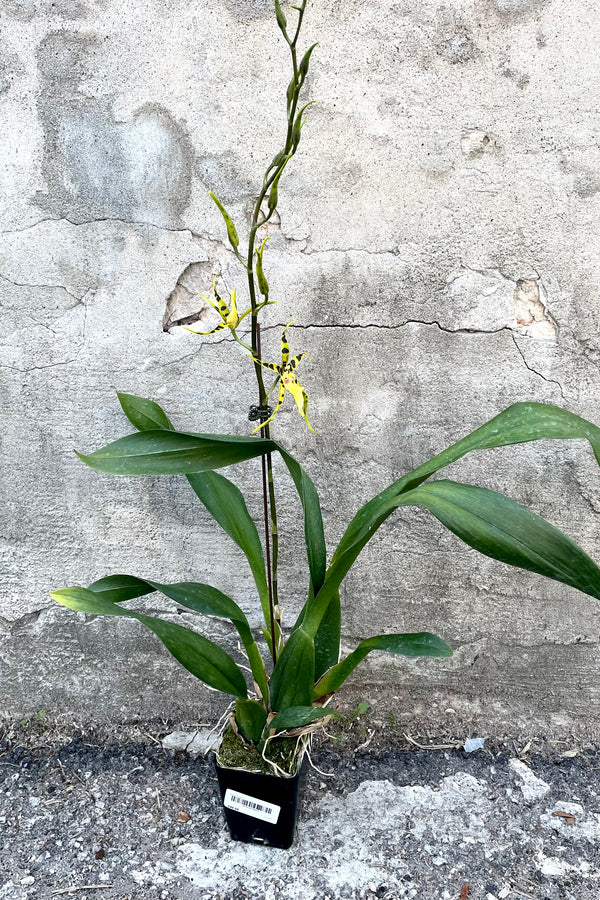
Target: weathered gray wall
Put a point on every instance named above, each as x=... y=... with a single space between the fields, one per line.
x=438 y=243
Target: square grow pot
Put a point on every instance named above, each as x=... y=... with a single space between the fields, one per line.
x=260 y=809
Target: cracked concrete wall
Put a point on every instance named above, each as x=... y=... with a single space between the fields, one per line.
x=437 y=240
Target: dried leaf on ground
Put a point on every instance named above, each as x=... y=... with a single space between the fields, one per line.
x=568 y=817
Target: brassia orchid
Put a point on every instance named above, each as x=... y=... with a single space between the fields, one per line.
x=287 y=380
x=229 y=314
x=289 y=690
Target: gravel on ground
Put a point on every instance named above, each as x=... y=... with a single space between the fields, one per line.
x=126 y=819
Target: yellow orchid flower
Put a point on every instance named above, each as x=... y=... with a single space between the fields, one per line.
x=229 y=315
x=286 y=375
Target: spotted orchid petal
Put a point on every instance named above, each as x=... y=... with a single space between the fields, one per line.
x=296 y=359
x=218 y=327
x=300 y=396
x=233 y=318
x=285 y=347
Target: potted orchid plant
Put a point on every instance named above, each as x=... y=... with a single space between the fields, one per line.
x=295 y=671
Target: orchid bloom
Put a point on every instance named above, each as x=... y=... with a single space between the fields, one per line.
x=229 y=316
x=288 y=381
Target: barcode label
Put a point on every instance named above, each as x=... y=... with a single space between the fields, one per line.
x=251 y=806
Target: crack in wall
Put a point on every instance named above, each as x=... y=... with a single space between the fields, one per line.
x=54 y=365
x=45 y=287
x=318 y=251
x=9 y=626
x=380 y=326
x=108 y=219
x=196 y=235
x=534 y=371
x=398 y=326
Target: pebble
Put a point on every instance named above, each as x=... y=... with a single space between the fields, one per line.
x=532 y=787
x=195 y=743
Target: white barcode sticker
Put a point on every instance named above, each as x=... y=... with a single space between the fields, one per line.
x=251 y=806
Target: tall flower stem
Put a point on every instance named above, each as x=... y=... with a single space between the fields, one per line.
x=259 y=218
x=270 y=515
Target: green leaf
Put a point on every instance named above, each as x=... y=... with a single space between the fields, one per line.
x=422 y=644
x=223 y=500
x=173 y=453
x=314 y=535
x=119 y=588
x=201 y=657
x=201 y=598
x=226 y=504
x=298 y=717
x=209 y=601
x=294 y=674
x=163 y=452
x=498 y=527
x=520 y=423
x=327 y=638
x=231 y=230
x=145 y=415
x=251 y=718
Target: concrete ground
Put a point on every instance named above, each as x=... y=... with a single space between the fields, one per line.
x=95 y=818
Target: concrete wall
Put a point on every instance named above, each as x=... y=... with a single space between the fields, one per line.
x=438 y=243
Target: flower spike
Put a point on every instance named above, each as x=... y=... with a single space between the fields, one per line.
x=288 y=381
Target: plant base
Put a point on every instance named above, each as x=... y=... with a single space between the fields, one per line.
x=260 y=809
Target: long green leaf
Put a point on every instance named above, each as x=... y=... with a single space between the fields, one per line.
x=422 y=644
x=226 y=504
x=298 y=717
x=197 y=654
x=162 y=452
x=293 y=677
x=328 y=638
x=314 y=535
x=201 y=598
x=221 y=497
x=498 y=527
x=520 y=423
x=251 y=718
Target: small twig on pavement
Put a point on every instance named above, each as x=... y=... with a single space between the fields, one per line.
x=72 y=772
x=150 y=737
x=82 y=887
x=431 y=746
x=366 y=743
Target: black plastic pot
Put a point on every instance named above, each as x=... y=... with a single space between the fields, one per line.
x=260 y=809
